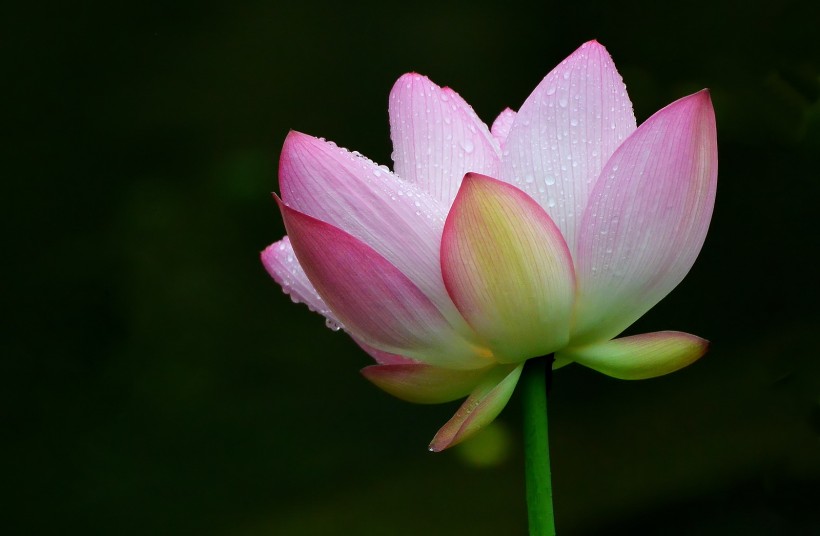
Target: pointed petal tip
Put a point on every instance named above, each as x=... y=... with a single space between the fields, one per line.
x=593 y=43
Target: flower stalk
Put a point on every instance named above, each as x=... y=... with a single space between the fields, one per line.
x=534 y=381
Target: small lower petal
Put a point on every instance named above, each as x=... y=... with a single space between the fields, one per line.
x=640 y=356
x=480 y=409
x=424 y=384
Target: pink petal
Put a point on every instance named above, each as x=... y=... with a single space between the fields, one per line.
x=437 y=137
x=508 y=270
x=281 y=263
x=375 y=301
x=395 y=218
x=640 y=356
x=480 y=409
x=424 y=384
x=384 y=358
x=647 y=217
x=565 y=132
x=502 y=125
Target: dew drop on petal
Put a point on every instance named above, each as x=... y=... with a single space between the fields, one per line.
x=468 y=146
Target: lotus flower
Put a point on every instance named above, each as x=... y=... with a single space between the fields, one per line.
x=549 y=233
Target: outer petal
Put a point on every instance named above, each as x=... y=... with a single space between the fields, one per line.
x=281 y=263
x=565 y=132
x=437 y=137
x=375 y=301
x=647 y=218
x=480 y=408
x=502 y=125
x=395 y=218
x=384 y=358
x=507 y=269
x=424 y=384
x=641 y=356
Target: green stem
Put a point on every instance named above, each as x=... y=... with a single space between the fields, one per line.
x=536 y=446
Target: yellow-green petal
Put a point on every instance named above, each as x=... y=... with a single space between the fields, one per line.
x=640 y=356
x=507 y=269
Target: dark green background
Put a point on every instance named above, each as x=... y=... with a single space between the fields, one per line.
x=155 y=381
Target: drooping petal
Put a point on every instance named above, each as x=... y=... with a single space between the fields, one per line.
x=281 y=263
x=502 y=125
x=437 y=137
x=424 y=384
x=565 y=132
x=375 y=301
x=647 y=218
x=507 y=269
x=480 y=409
x=640 y=356
x=398 y=220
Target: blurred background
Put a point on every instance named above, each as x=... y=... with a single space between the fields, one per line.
x=155 y=381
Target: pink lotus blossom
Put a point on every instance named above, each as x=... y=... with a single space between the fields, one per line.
x=549 y=233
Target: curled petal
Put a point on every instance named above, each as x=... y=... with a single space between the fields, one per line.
x=480 y=409
x=375 y=301
x=507 y=269
x=640 y=356
x=502 y=125
x=424 y=384
x=281 y=263
x=647 y=218
x=437 y=137
x=564 y=133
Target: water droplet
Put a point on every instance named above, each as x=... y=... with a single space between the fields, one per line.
x=566 y=75
x=332 y=325
x=529 y=178
x=468 y=146
x=562 y=102
x=574 y=122
x=550 y=180
x=551 y=202
x=551 y=90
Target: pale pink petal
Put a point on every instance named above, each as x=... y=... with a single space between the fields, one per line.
x=384 y=358
x=565 y=132
x=480 y=409
x=375 y=301
x=502 y=125
x=647 y=218
x=424 y=384
x=437 y=137
x=398 y=220
x=281 y=263
x=640 y=356
x=507 y=269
